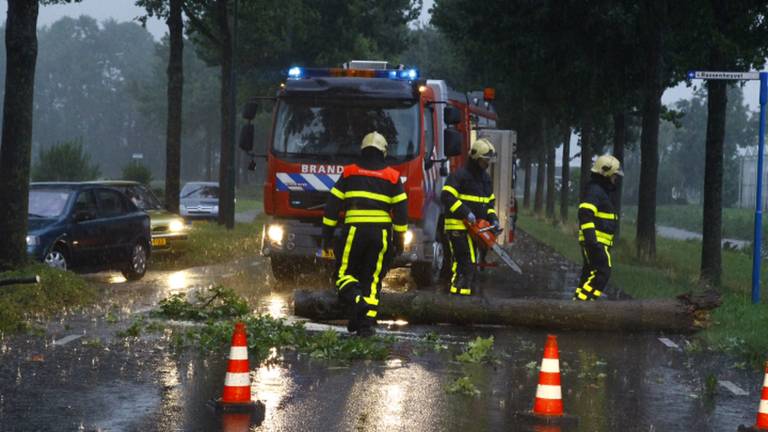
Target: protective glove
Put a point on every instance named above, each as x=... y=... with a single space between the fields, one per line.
x=496 y=228
x=398 y=244
x=471 y=218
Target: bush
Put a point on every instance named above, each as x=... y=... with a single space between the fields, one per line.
x=136 y=171
x=65 y=161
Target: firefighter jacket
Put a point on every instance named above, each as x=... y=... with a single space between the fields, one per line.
x=369 y=194
x=468 y=190
x=597 y=217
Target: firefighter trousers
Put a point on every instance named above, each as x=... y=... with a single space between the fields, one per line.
x=362 y=262
x=464 y=259
x=594 y=273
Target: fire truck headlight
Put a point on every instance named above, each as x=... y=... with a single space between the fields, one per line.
x=408 y=239
x=275 y=233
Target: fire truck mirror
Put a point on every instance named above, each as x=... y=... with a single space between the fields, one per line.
x=452 y=115
x=246 y=137
x=250 y=109
x=452 y=140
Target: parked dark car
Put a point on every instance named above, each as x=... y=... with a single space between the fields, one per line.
x=87 y=227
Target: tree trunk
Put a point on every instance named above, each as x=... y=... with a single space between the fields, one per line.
x=208 y=157
x=586 y=155
x=15 y=153
x=711 y=259
x=619 y=143
x=566 y=174
x=175 y=94
x=653 y=19
x=226 y=168
x=541 y=162
x=527 y=182
x=685 y=313
x=551 y=180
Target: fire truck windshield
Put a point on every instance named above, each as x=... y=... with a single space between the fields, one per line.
x=333 y=129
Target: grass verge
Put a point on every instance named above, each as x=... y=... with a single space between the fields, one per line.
x=57 y=290
x=248 y=204
x=211 y=243
x=737 y=326
x=738 y=223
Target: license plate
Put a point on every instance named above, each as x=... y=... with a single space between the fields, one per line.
x=159 y=242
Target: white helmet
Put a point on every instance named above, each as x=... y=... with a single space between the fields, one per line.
x=376 y=140
x=607 y=165
x=482 y=149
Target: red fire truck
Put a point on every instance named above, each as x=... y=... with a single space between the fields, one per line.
x=319 y=119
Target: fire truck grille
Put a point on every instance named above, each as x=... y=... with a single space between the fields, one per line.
x=308 y=200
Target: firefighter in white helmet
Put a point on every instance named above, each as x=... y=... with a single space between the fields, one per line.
x=597 y=225
x=376 y=211
x=468 y=196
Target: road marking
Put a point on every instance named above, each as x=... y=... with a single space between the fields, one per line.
x=67 y=339
x=669 y=343
x=733 y=388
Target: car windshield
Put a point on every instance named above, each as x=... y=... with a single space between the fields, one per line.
x=329 y=129
x=142 y=197
x=47 y=203
x=200 y=191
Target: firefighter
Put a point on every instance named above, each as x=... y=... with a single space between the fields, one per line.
x=468 y=196
x=376 y=211
x=597 y=224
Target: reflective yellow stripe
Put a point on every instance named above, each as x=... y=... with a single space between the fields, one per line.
x=356 y=212
x=451 y=190
x=465 y=291
x=492 y=197
x=609 y=256
x=454 y=225
x=609 y=216
x=345 y=255
x=337 y=193
x=453 y=268
x=587 y=225
x=455 y=205
x=367 y=219
x=368 y=195
x=371 y=314
x=329 y=222
x=602 y=237
x=397 y=198
x=588 y=206
x=400 y=228
x=474 y=198
x=471 y=249
x=373 y=299
x=491 y=211
x=347 y=282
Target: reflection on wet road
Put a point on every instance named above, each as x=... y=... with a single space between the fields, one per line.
x=611 y=381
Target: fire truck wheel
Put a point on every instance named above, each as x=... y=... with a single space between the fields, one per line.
x=284 y=269
x=427 y=274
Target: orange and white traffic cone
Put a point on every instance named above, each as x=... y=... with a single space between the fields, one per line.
x=762 y=410
x=237 y=383
x=548 y=405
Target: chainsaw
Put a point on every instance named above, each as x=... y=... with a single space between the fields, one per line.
x=482 y=231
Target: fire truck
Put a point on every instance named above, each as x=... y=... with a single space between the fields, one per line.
x=320 y=116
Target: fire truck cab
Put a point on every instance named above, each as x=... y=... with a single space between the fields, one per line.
x=319 y=119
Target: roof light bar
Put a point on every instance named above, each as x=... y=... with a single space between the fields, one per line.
x=296 y=72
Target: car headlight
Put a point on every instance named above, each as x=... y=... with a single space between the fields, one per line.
x=215 y=209
x=408 y=239
x=176 y=225
x=275 y=233
x=33 y=240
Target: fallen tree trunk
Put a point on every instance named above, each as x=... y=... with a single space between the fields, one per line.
x=686 y=313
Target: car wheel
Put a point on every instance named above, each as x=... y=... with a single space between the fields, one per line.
x=137 y=264
x=56 y=258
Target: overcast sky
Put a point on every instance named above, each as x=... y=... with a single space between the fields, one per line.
x=126 y=10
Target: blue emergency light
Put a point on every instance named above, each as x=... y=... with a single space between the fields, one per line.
x=296 y=72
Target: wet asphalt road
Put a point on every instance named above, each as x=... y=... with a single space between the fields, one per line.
x=611 y=381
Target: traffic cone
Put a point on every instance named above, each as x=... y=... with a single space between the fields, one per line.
x=548 y=405
x=762 y=410
x=237 y=383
